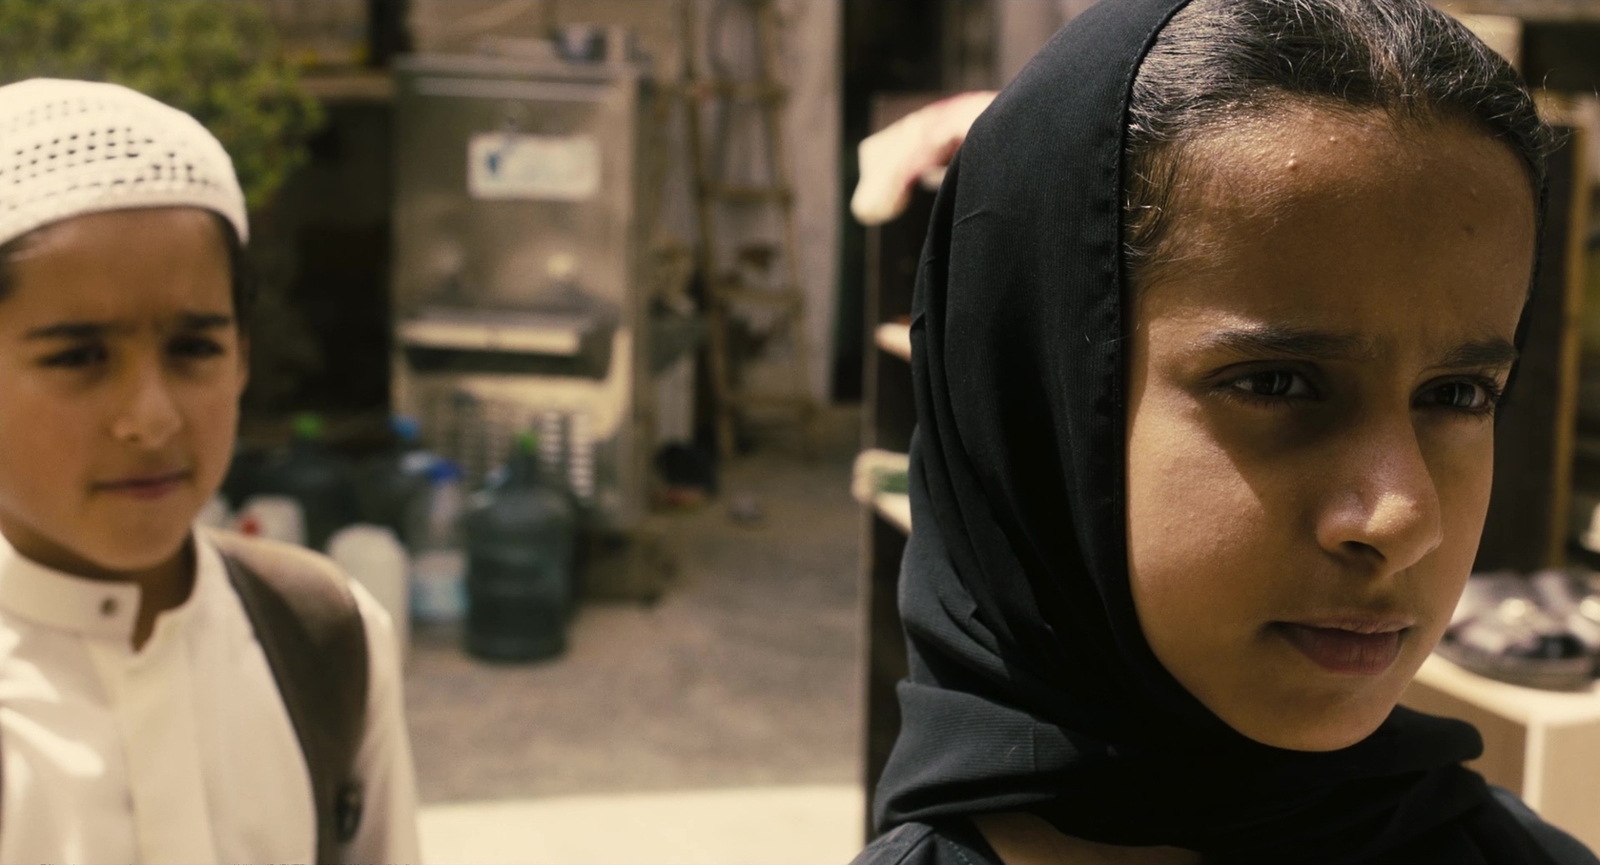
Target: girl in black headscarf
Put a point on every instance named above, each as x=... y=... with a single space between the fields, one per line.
x=1216 y=307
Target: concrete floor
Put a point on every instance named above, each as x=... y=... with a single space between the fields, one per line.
x=744 y=675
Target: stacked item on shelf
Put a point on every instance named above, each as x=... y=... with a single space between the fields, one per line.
x=879 y=480
x=1539 y=631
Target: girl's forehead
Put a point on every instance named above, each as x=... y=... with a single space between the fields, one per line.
x=1385 y=230
x=1313 y=152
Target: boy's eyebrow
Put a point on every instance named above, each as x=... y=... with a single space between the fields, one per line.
x=189 y=321
x=70 y=330
x=204 y=321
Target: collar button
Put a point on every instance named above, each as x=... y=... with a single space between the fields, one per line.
x=108 y=607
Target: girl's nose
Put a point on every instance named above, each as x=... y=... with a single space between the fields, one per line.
x=1384 y=509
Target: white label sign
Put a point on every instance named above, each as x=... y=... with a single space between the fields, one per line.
x=549 y=167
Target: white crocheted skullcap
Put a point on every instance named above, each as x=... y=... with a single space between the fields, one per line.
x=68 y=148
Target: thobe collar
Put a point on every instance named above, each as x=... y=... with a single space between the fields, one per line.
x=102 y=609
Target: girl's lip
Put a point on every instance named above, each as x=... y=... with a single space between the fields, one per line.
x=1357 y=622
x=1367 y=651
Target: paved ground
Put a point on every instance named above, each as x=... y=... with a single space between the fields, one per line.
x=786 y=825
x=743 y=674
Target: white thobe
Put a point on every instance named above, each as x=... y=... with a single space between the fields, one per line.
x=181 y=751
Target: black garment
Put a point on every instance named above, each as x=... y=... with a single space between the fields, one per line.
x=1031 y=685
x=952 y=842
x=958 y=842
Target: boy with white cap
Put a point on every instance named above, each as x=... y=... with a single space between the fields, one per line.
x=166 y=694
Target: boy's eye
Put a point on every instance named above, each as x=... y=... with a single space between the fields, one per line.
x=77 y=356
x=196 y=347
x=1274 y=383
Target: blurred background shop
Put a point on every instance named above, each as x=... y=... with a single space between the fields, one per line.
x=568 y=346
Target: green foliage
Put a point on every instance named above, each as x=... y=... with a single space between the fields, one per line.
x=219 y=61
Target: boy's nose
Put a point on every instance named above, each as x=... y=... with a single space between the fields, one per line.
x=149 y=416
x=1385 y=510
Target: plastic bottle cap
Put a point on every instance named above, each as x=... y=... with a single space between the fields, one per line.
x=442 y=470
x=405 y=428
x=418 y=463
x=308 y=426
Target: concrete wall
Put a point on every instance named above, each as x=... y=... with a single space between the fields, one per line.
x=1022 y=28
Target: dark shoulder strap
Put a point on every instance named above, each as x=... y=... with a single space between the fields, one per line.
x=310 y=629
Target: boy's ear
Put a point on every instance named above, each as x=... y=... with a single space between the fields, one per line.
x=244 y=363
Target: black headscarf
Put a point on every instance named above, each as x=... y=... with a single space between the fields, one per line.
x=1032 y=687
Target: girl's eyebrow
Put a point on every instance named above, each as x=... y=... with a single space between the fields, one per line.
x=189 y=321
x=1271 y=341
x=1274 y=341
x=1492 y=353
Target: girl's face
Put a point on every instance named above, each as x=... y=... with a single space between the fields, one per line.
x=120 y=374
x=1310 y=439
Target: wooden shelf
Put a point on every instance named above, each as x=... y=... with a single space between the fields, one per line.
x=1537 y=744
x=889 y=420
x=894 y=507
x=349 y=86
x=1527 y=706
x=895 y=339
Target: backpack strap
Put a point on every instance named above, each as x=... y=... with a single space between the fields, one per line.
x=310 y=629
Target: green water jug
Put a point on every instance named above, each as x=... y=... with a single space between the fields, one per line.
x=519 y=537
x=320 y=480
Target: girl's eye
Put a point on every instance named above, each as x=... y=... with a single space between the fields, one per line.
x=1465 y=396
x=1278 y=384
x=196 y=347
x=76 y=357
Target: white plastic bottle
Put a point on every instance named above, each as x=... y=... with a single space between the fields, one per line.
x=439 y=566
x=215 y=514
x=374 y=557
x=277 y=518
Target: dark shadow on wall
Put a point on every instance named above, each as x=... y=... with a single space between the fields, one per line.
x=889 y=46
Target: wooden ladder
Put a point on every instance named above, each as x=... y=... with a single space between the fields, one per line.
x=726 y=292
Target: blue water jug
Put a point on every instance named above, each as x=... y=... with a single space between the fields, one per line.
x=394 y=484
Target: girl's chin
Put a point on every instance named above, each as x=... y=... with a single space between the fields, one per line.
x=1298 y=706
x=1314 y=725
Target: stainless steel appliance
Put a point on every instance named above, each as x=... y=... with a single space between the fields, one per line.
x=519 y=267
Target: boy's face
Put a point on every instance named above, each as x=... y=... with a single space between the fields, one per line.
x=1311 y=437
x=121 y=369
